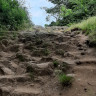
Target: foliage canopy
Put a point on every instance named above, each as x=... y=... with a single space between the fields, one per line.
x=12 y=15
x=71 y=11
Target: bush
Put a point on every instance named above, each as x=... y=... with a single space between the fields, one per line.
x=12 y=15
x=65 y=80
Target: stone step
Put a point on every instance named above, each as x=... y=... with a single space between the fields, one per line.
x=85 y=72
x=14 y=78
x=19 y=91
x=6 y=71
x=86 y=61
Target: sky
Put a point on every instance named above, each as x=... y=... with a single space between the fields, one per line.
x=37 y=15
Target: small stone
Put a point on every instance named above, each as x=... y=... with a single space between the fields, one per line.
x=71 y=75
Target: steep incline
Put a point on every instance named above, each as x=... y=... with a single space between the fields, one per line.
x=26 y=63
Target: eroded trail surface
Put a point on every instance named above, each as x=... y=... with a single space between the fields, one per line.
x=26 y=63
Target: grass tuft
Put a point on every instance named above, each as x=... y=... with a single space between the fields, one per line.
x=65 y=80
x=88 y=26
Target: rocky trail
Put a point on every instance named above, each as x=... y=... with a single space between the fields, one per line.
x=27 y=69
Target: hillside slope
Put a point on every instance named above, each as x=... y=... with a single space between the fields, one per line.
x=27 y=69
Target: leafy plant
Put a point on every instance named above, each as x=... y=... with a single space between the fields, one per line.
x=12 y=15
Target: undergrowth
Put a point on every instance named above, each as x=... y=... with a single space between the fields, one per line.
x=89 y=27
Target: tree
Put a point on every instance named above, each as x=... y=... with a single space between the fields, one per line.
x=12 y=14
x=55 y=11
x=71 y=11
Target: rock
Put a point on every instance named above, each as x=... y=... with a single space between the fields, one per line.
x=6 y=71
x=78 y=62
x=71 y=75
x=5 y=42
x=46 y=59
x=44 y=65
x=40 y=69
x=28 y=45
x=75 y=29
x=14 y=48
x=79 y=45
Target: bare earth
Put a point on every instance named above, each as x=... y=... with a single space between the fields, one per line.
x=36 y=51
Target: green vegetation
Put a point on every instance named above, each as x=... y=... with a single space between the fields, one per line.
x=67 y=12
x=89 y=27
x=13 y=16
x=65 y=80
x=75 y=13
x=55 y=63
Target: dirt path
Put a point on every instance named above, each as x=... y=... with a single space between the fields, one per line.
x=26 y=64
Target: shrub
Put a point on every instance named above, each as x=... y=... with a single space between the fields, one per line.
x=12 y=15
x=65 y=80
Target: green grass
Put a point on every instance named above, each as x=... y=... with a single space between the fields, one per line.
x=88 y=26
x=65 y=80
